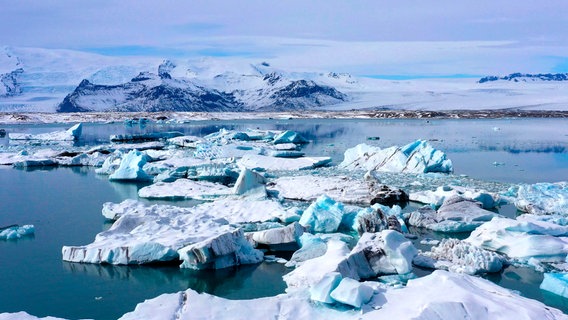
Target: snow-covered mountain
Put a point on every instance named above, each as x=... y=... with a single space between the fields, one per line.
x=48 y=80
x=526 y=77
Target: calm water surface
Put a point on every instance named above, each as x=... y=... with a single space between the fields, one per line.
x=65 y=205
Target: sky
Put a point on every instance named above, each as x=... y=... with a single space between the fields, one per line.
x=396 y=39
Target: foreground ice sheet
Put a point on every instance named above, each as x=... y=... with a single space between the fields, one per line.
x=73 y=133
x=416 y=157
x=24 y=316
x=440 y=295
x=543 y=198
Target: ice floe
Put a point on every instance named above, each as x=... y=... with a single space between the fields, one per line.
x=543 y=198
x=459 y=256
x=185 y=189
x=260 y=162
x=416 y=157
x=455 y=215
x=310 y=187
x=16 y=232
x=522 y=240
x=437 y=197
x=71 y=134
x=556 y=283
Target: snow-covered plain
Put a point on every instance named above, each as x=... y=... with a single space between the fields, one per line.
x=249 y=209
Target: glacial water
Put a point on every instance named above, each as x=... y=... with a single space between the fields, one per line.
x=65 y=205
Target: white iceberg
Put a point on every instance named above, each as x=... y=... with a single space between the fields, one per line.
x=461 y=257
x=437 y=197
x=455 y=215
x=278 y=236
x=151 y=235
x=250 y=184
x=440 y=295
x=522 y=240
x=416 y=157
x=185 y=189
x=385 y=252
x=260 y=162
x=71 y=134
x=543 y=198
x=130 y=168
x=309 y=188
x=16 y=232
x=220 y=251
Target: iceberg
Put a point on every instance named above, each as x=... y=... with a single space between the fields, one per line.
x=220 y=251
x=260 y=162
x=324 y=215
x=385 y=252
x=313 y=246
x=130 y=168
x=16 y=232
x=455 y=215
x=437 y=197
x=522 y=240
x=556 y=283
x=543 y=198
x=250 y=184
x=440 y=295
x=185 y=189
x=352 y=292
x=289 y=137
x=151 y=235
x=309 y=188
x=71 y=134
x=461 y=257
x=415 y=157
x=283 y=236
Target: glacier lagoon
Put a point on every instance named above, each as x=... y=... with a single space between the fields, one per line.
x=65 y=205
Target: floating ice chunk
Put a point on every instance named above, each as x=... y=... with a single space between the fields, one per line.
x=385 y=252
x=543 y=198
x=290 y=137
x=442 y=193
x=220 y=251
x=185 y=141
x=288 y=235
x=253 y=161
x=152 y=136
x=73 y=133
x=111 y=163
x=556 y=283
x=462 y=257
x=321 y=290
x=324 y=215
x=352 y=292
x=440 y=295
x=149 y=234
x=455 y=215
x=522 y=240
x=311 y=271
x=130 y=168
x=250 y=184
x=415 y=157
x=185 y=189
x=16 y=232
x=309 y=188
